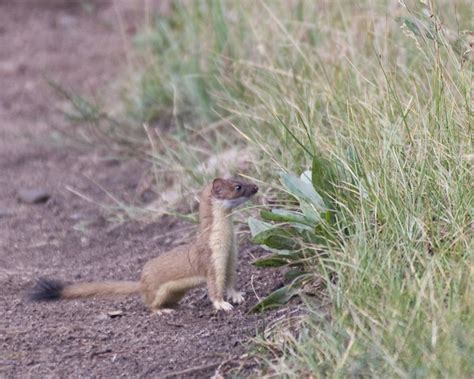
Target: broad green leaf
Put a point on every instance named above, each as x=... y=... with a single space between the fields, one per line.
x=327 y=217
x=292 y=274
x=276 y=238
x=310 y=212
x=283 y=215
x=276 y=260
x=417 y=28
x=306 y=176
x=324 y=235
x=275 y=230
x=281 y=259
x=257 y=226
x=412 y=26
x=300 y=228
x=275 y=299
x=302 y=190
x=322 y=175
x=278 y=242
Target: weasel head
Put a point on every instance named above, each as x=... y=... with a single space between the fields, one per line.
x=231 y=193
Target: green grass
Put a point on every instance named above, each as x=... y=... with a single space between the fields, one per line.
x=379 y=92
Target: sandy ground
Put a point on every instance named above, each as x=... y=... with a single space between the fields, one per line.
x=68 y=238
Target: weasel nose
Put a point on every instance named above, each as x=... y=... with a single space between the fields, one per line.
x=254 y=189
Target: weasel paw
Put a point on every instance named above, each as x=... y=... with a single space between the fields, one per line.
x=222 y=305
x=236 y=296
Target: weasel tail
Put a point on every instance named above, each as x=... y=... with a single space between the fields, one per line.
x=47 y=290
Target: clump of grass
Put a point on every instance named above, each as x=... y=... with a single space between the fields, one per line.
x=379 y=94
x=397 y=102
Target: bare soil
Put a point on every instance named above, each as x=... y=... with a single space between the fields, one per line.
x=84 y=47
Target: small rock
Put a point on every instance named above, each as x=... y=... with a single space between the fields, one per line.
x=67 y=21
x=33 y=196
x=102 y=316
x=113 y=314
x=84 y=241
x=5 y=212
x=148 y=196
x=110 y=314
x=76 y=216
x=9 y=68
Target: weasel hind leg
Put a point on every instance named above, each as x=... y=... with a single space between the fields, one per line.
x=166 y=298
x=170 y=293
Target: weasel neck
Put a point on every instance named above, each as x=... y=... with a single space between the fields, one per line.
x=221 y=237
x=211 y=211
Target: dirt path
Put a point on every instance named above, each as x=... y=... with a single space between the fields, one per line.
x=68 y=238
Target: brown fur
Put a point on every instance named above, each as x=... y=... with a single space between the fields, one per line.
x=209 y=259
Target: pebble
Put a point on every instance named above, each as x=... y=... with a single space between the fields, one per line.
x=109 y=315
x=33 y=196
x=66 y=21
x=5 y=212
x=113 y=314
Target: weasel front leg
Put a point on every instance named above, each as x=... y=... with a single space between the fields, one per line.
x=236 y=296
x=216 y=293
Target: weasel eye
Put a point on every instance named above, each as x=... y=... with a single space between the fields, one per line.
x=238 y=187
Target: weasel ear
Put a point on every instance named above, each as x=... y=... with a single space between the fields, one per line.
x=217 y=186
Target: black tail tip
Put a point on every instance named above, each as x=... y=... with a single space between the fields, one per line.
x=46 y=290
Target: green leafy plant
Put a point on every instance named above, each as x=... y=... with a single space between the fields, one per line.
x=298 y=237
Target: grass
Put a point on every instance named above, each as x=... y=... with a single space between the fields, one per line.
x=387 y=85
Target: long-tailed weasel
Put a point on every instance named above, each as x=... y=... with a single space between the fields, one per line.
x=211 y=258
